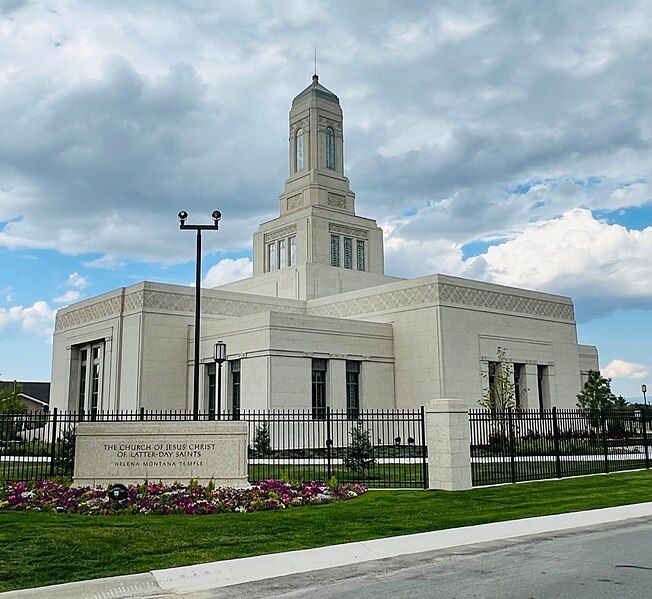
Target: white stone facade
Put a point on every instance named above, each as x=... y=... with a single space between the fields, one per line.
x=318 y=300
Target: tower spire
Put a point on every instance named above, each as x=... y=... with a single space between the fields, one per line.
x=315 y=77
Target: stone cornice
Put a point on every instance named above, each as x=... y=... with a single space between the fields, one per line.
x=445 y=293
x=151 y=300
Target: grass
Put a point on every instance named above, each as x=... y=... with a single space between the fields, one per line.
x=40 y=549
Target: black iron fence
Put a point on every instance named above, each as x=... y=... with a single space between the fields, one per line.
x=378 y=448
x=519 y=445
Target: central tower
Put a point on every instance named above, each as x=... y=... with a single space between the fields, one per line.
x=316 y=153
x=317 y=246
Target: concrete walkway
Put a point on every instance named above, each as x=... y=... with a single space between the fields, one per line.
x=187 y=579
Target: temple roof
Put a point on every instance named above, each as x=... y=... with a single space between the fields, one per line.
x=317 y=88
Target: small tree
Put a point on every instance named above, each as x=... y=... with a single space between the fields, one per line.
x=262 y=444
x=360 y=453
x=597 y=395
x=500 y=393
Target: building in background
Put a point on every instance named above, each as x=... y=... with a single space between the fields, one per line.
x=319 y=323
x=34 y=395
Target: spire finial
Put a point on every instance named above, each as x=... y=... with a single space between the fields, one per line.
x=315 y=78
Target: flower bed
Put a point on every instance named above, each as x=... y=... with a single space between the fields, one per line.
x=157 y=498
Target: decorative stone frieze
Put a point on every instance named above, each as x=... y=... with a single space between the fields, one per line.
x=446 y=293
x=280 y=233
x=295 y=202
x=348 y=231
x=336 y=200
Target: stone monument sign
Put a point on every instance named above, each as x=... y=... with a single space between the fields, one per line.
x=132 y=452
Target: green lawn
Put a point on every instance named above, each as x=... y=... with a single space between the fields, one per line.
x=39 y=549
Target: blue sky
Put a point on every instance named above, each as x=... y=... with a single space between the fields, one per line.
x=509 y=143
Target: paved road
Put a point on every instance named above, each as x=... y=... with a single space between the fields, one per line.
x=612 y=561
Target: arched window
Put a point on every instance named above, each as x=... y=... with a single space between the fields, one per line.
x=330 y=148
x=299 y=141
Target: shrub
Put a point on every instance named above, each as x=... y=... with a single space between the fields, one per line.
x=262 y=445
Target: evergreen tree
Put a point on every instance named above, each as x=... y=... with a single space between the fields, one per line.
x=262 y=445
x=359 y=454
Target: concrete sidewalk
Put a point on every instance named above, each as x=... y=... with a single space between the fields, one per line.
x=177 y=581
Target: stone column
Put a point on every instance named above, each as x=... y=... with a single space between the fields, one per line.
x=529 y=376
x=449 y=445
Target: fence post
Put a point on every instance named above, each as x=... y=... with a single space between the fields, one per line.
x=449 y=445
x=424 y=447
x=512 y=445
x=644 y=424
x=53 y=442
x=555 y=441
x=605 y=447
x=142 y=413
x=329 y=442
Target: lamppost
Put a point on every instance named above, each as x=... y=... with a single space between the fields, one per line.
x=183 y=216
x=220 y=357
x=644 y=391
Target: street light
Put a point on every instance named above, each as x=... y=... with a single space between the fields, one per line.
x=220 y=357
x=644 y=391
x=183 y=217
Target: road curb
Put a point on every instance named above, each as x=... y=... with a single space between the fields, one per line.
x=249 y=569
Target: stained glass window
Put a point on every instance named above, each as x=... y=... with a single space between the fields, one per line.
x=282 y=253
x=335 y=250
x=348 y=252
x=293 y=251
x=330 y=148
x=360 y=254
x=300 y=161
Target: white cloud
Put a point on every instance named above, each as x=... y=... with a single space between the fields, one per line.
x=619 y=369
x=107 y=261
x=68 y=297
x=228 y=270
x=602 y=266
x=77 y=281
x=37 y=319
x=444 y=106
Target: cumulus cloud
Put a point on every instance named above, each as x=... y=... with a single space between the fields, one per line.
x=228 y=270
x=602 y=266
x=37 y=319
x=77 y=281
x=481 y=100
x=619 y=369
x=72 y=295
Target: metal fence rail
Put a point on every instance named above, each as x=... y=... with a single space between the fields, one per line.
x=518 y=445
x=378 y=448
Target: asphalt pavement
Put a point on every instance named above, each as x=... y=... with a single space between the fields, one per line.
x=613 y=561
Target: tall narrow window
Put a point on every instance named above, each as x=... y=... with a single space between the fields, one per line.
x=293 y=251
x=282 y=253
x=330 y=148
x=348 y=252
x=235 y=388
x=360 y=254
x=83 y=368
x=300 y=150
x=352 y=389
x=491 y=379
x=544 y=387
x=211 y=390
x=271 y=256
x=335 y=250
x=319 y=369
x=89 y=390
x=518 y=370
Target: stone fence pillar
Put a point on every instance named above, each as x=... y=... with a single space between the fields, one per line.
x=449 y=445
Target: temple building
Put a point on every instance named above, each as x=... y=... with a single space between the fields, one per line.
x=319 y=323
